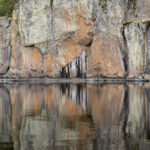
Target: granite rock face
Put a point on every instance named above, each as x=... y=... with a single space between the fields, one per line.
x=27 y=62
x=5 y=46
x=137 y=52
x=48 y=35
x=69 y=39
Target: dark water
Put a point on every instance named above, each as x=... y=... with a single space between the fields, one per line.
x=75 y=117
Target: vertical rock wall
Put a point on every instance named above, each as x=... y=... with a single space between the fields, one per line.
x=68 y=39
x=137 y=51
x=47 y=36
x=5 y=46
x=148 y=50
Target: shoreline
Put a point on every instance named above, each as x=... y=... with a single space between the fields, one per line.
x=72 y=80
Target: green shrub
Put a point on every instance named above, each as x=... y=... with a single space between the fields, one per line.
x=17 y=33
x=6 y=7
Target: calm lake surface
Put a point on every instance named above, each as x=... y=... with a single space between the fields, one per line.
x=75 y=117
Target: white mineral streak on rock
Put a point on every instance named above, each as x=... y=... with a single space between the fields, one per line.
x=136 y=45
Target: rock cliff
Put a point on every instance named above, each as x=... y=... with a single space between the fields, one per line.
x=74 y=38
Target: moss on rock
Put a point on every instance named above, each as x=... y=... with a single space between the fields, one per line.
x=6 y=7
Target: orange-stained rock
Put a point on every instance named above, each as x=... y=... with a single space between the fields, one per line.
x=104 y=58
x=46 y=58
x=79 y=41
x=71 y=50
x=27 y=61
x=49 y=64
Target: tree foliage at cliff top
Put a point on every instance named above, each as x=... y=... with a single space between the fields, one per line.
x=6 y=7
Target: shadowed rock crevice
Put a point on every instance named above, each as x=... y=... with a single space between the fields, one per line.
x=103 y=5
x=148 y=49
x=77 y=68
x=124 y=51
x=51 y=3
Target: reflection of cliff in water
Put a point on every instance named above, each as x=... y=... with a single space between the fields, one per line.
x=74 y=116
x=5 y=119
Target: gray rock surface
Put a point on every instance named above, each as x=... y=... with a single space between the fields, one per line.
x=5 y=45
x=41 y=23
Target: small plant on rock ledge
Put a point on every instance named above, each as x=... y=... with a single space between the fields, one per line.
x=17 y=33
